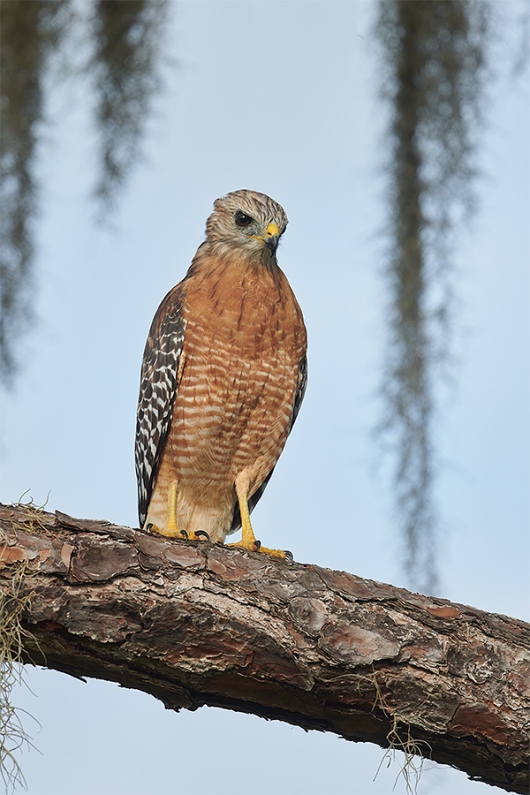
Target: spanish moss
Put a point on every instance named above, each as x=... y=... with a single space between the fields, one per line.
x=126 y=39
x=126 y=36
x=433 y=78
x=29 y=31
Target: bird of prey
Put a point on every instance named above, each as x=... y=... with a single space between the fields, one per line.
x=223 y=377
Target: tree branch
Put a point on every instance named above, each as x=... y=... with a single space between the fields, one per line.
x=199 y=624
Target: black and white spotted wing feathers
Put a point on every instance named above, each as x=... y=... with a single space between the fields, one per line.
x=158 y=391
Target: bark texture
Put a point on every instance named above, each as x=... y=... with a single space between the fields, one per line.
x=199 y=624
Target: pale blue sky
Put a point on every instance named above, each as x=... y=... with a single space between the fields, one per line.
x=279 y=98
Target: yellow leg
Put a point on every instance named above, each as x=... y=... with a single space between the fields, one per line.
x=248 y=539
x=172 y=529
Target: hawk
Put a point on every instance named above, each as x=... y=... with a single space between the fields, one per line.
x=223 y=377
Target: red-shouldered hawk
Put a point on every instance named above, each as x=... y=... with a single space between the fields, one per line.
x=223 y=377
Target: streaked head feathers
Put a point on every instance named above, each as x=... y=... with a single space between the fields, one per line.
x=246 y=219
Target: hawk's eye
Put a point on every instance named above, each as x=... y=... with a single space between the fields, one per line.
x=242 y=219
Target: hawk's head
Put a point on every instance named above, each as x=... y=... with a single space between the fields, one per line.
x=246 y=220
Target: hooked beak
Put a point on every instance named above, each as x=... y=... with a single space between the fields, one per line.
x=272 y=238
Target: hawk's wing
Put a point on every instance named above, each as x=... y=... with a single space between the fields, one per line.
x=300 y=392
x=299 y=396
x=158 y=390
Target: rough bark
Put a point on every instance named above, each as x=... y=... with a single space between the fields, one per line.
x=200 y=624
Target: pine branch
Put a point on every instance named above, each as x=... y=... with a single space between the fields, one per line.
x=201 y=624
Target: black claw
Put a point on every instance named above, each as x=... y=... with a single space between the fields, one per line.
x=184 y=534
x=288 y=555
x=149 y=527
x=201 y=534
x=257 y=544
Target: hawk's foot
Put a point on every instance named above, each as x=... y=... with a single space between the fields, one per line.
x=172 y=530
x=183 y=535
x=169 y=532
x=198 y=535
x=253 y=545
x=248 y=539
